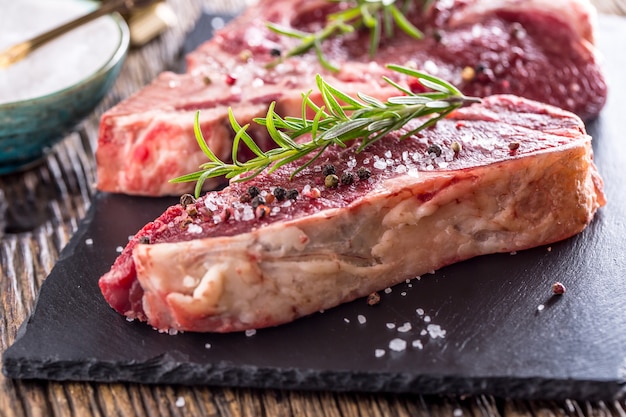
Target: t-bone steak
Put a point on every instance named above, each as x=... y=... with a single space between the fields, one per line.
x=501 y=176
x=539 y=49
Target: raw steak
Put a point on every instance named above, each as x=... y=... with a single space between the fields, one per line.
x=539 y=49
x=522 y=175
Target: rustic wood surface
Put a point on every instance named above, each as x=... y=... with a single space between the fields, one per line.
x=46 y=204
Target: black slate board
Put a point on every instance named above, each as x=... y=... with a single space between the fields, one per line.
x=497 y=341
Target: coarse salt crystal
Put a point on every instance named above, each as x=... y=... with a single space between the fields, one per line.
x=180 y=402
x=207 y=346
x=426 y=319
x=89 y=241
x=390 y=325
x=388 y=290
x=540 y=307
x=423 y=332
x=380 y=164
x=250 y=332
x=406 y=327
x=119 y=249
x=379 y=353
x=361 y=318
x=435 y=331
x=403 y=293
x=347 y=320
x=457 y=412
x=397 y=345
x=420 y=311
x=388 y=154
x=417 y=344
x=194 y=229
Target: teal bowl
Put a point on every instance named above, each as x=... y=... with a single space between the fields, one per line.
x=29 y=128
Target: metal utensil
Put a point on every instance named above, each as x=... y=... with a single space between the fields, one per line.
x=19 y=51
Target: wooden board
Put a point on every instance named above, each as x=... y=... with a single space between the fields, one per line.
x=497 y=341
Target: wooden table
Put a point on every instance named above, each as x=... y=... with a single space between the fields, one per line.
x=48 y=202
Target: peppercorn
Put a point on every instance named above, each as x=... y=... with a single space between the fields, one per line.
x=269 y=199
x=253 y=191
x=558 y=288
x=434 y=149
x=328 y=169
x=257 y=201
x=262 y=211
x=280 y=193
x=373 y=299
x=292 y=194
x=347 y=178
x=275 y=52
x=437 y=36
x=331 y=181
x=245 y=198
x=145 y=240
x=513 y=146
x=225 y=214
x=456 y=147
x=186 y=199
x=363 y=173
x=192 y=211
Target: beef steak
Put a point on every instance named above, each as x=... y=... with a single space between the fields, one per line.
x=500 y=176
x=539 y=49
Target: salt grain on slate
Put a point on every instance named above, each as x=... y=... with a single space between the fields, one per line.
x=426 y=319
x=207 y=346
x=540 y=307
x=89 y=242
x=397 y=345
x=391 y=325
x=180 y=402
x=379 y=353
x=119 y=249
x=250 y=332
x=406 y=327
x=435 y=331
x=361 y=318
x=388 y=290
x=417 y=344
x=420 y=311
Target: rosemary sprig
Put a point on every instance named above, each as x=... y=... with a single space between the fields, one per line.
x=340 y=120
x=378 y=16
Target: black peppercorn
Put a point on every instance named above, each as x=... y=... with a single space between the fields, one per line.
x=145 y=240
x=347 y=178
x=363 y=173
x=280 y=193
x=257 y=201
x=253 y=191
x=275 y=52
x=328 y=170
x=186 y=199
x=434 y=149
x=292 y=194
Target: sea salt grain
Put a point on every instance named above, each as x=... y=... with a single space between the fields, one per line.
x=61 y=62
x=417 y=344
x=119 y=249
x=361 y=318
x=435 y=331
x=180 y=402
x=420 y=311
x=379 y=353
x=207 y=346
x=390 y=326
x=89 y=241
x=250 y=332
x=397 y=345
x=406 y=327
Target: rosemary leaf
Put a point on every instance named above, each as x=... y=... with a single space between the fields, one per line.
x=364 y=118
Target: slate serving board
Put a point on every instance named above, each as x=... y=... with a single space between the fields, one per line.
x=498 y=340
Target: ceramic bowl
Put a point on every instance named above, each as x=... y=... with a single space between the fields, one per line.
x=29 y=128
